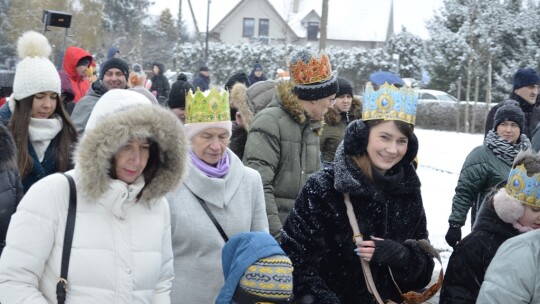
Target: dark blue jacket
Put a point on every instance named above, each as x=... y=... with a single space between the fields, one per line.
x=202 y=82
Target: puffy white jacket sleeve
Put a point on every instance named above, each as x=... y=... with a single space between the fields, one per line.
x=164 y=285
x=512 y=274
x=29 y=242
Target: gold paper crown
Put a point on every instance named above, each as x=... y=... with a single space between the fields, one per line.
x=389 y=103
x=523 y=187
x=308 y=67
x=207 y=106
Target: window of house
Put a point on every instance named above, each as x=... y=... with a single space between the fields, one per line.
x=249 y=27
x=312 y=30
x=264 y=27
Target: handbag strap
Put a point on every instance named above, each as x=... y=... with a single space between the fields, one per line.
x=357 y=238
x=61 y=286
x=213 y=218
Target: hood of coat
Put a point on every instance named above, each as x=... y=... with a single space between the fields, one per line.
x=72 y=56
x=289 y=102
x=98 y=146
x=238 y=94
x=488 y=220
x=160 y=66
x=333 y=117
x=8 y=156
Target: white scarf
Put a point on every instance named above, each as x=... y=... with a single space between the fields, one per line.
x=42 y=131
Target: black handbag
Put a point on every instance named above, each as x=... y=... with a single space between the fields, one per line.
x=61 y=286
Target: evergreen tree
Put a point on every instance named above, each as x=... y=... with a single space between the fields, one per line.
x=7 y=49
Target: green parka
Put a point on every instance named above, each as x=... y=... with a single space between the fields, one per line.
x=481 y=171
x=334 y=128
x=283 y=146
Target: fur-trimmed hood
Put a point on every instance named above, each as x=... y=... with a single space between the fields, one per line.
x=333 y=117
x=290 y=102
x=98 y=146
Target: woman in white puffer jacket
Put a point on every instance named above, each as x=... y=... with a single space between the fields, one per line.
x=130 y=156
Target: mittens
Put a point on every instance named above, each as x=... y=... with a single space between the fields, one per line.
x=390 y=253
x=453 y=236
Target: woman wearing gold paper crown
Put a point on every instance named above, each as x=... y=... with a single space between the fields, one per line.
x=219 y=193
x=508 y=211
x=372 y=171
x=486 y=166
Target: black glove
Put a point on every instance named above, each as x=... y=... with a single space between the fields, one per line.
x=390 y=253
x=453 y=236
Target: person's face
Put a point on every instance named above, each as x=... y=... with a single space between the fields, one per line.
x=386 y=146
x=44 y=104
x=205 y=73
x=210 y=144
x=114 y=79
x=155 y=69
x=529 y=93
x=131 y=160
x=318 y=108
x=82 y=70
x=509 y=130
x=343 y=103
x=180 y=113
x=258 y=73
x=531 y=217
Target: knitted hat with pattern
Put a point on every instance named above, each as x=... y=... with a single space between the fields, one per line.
x=312 y=75
x=35 y=73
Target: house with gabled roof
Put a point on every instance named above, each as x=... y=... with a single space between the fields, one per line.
x=351 y=23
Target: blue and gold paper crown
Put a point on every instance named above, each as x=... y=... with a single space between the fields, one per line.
x=523 y=187
x=207 y=106
x=389 y=103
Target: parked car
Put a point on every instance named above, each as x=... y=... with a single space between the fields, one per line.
x=171 y=76
x=435 y=95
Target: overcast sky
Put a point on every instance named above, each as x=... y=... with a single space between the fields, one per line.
x=409 y=13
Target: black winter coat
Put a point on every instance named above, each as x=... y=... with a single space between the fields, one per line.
x=161 y=85
x=11 y=191
x=317 y=235
x=472 y=256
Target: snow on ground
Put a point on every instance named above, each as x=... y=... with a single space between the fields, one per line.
x=441 y=155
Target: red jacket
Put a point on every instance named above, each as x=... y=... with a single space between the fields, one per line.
x=80 y=83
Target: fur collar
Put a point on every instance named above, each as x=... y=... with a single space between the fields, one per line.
x=290 y=102
x=333 y=117
x=98 y=146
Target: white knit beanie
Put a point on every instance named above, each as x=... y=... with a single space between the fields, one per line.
x=35 y=73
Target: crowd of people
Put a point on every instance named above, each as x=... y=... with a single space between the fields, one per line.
x=126 y=189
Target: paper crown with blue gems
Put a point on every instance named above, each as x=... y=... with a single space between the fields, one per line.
x=389 y=103
x=207 y=106
x=523 y=187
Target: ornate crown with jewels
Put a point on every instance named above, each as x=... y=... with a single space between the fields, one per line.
x=308 y=67
x=207 y=106
x=523 y=187
x=389 y=103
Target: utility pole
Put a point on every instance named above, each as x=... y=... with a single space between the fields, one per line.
x=207 y=33
x=324 y=25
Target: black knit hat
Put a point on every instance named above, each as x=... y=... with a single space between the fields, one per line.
x=238 y=77
x=179 y=89
x=510 y=111
x=114 y=63
x=525 y=77
x=344 y=87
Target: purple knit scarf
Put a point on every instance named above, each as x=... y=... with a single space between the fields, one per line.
x=218 y=171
